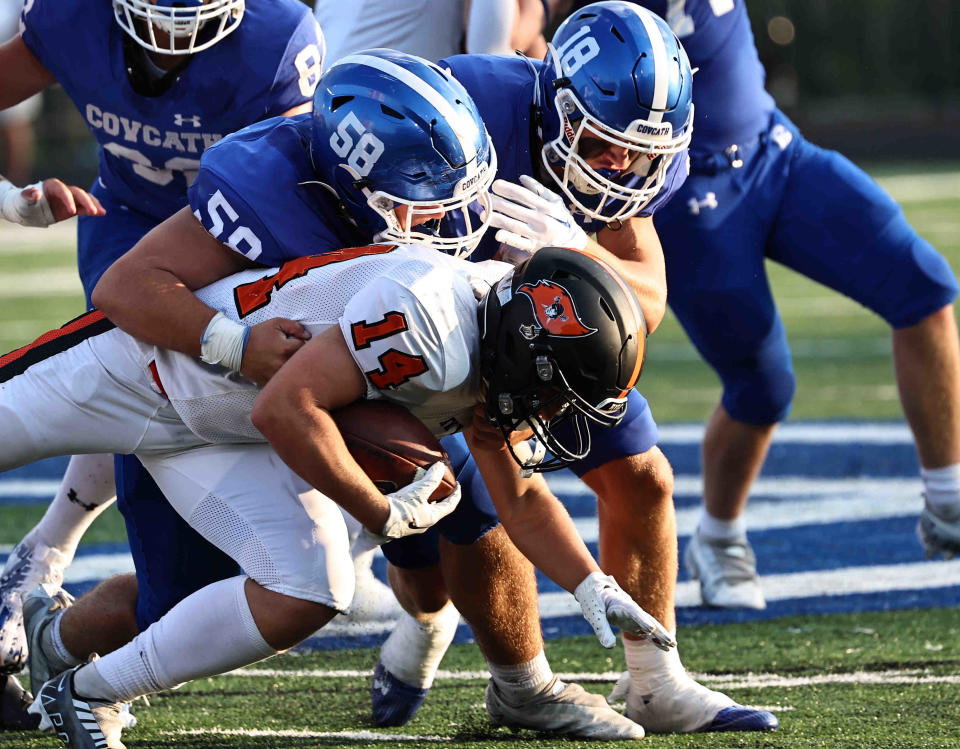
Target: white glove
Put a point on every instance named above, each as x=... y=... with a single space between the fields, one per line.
x=32 y=211
x=604 y=603
x=411 y=511
x=531 y=216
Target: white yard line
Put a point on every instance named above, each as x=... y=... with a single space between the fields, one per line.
x=727 y=681
x=293 y=734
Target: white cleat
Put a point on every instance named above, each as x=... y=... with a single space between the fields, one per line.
x=78 y=722
x=563 y=709
x=727 y=571
x=939 y=532
x=27 y=566
x=678 y=704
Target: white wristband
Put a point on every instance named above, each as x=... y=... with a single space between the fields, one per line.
x=223 y=342
x=15 y=208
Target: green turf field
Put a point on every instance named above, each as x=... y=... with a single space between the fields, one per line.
x=860 y=680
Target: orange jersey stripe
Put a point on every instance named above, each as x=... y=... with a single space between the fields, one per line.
x=53 y=342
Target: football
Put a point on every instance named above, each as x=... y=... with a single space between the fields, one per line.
x=390 y=444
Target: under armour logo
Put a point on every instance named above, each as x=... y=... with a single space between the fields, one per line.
x=708 y=202
x=381 y=686
x=179 y=120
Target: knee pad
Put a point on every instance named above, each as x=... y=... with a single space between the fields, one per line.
x=761 y=396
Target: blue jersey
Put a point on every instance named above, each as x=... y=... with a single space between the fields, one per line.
x=150 y=146
x=512 y=110
x=256 y=191
x=731 y=104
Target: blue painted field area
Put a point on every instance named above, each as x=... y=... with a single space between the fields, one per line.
x=832 y=522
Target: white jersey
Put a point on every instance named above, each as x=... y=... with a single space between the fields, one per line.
x=428 y=28
x=408 y=314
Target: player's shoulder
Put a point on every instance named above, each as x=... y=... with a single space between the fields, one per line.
x=278 y=146
x=61 y=21
x=505 y=69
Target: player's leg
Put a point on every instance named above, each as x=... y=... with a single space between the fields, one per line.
x=718 y=289
x=290 y=540
x=426 y=626
x=80 y=388
x=86 y=489
x=838 y=227
x=171 y=560
x=493 y=586
x=638 y=546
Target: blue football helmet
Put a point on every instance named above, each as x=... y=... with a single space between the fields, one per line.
x=621 y=78
x=391 y=130
x=180 y=21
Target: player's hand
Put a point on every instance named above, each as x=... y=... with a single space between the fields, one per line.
x=271 y=343
x=529 y=216
x=46 y=203
x=604 y=603
x=411 y=511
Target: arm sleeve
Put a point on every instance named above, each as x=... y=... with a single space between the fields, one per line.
x=300 y=67
x=490 y=26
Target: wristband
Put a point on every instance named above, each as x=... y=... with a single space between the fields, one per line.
x=224 y=342
x=16 y=209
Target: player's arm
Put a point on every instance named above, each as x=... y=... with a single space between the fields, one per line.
x=148 y=292
x=633 y=249
x=530 y=216
x=542 y=530
x=533 y=517
x=293 y=413
x=21 y=74
x=299 y=109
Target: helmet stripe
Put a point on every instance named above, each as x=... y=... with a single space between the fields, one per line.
x=462 y=124
x=661 y=63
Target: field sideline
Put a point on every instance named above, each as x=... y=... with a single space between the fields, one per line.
x=859 y=645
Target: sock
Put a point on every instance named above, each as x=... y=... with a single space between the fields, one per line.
x=51 y=643
x=722 y=530
x=942 y=489
x=648 y=664
x=87 y=489
x=209 y=632
x=663 y=698
x=524 y=679
x=414 y=649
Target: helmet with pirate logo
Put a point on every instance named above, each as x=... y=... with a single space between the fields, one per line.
x=562 y=343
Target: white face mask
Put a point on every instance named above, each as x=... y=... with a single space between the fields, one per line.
x=174 y=30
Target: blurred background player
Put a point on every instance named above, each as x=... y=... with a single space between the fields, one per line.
x=434 y=28
x=757 y=189
x=159 y=83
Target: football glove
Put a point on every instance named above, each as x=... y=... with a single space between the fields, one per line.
x=411 y=511
x=604 y=603
x=530 y=216
x=33 y=210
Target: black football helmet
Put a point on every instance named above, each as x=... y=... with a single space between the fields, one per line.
x=562 y=339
